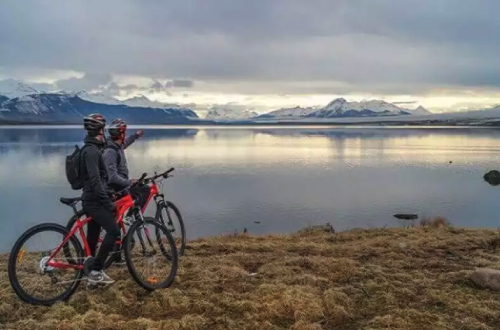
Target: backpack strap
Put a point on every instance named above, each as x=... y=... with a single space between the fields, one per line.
x=80 y=156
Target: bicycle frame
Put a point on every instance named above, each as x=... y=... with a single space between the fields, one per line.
x=122 y=205
x=153 y=193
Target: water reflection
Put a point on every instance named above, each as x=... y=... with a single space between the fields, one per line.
x=226 y=179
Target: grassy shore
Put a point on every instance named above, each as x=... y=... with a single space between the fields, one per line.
x=413 y=278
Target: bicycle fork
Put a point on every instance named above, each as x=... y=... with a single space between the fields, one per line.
x=141 y=238
x=160 y=202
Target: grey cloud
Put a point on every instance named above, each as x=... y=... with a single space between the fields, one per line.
x=156 y=86
x=43 y=87
x=388 y=45
x=113 y=88
x=405 y=102
x=11 y=86
x=182 y=83
x=89 y=81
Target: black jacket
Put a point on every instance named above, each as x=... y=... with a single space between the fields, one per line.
x=94 y=173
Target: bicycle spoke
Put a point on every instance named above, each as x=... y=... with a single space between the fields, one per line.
x=150 y=267
x=39 y=275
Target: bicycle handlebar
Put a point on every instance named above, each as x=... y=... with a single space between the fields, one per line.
x=164 y=174
x=143 y=178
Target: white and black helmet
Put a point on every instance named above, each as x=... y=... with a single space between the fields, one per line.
x=94 y=122
x=117 y=127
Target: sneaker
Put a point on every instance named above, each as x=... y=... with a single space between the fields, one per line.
x=99 y=277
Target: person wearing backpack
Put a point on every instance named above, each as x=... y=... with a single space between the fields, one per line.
x=96 y=200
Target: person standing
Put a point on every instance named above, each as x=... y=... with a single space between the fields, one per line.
x=116 y=162
x=96 y=200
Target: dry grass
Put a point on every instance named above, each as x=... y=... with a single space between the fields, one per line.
x=437 y=222
x=315 y=279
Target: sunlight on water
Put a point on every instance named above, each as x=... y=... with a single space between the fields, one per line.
x=286 y=178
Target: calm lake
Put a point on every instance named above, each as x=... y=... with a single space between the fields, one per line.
x=227 y=179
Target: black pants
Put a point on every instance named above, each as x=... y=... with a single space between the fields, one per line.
x=104 y=218
x=141 y=194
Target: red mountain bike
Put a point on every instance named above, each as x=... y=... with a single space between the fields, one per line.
x=62 y=266
x=166 y=213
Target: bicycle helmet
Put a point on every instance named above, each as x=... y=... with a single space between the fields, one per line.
x=116 y=128
x=93 y=123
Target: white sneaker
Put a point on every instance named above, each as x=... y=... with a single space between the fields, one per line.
x=99 y=277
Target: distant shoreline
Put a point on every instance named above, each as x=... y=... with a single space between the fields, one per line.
x=445 y=123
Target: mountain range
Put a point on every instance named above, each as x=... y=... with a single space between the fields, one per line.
x=228 y=113
x=23 y=104
x=340 y=108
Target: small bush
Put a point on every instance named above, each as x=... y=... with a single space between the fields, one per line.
x=437 y=222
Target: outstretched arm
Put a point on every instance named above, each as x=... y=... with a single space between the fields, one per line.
x=131 y=139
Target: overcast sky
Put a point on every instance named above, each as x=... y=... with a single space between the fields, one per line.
x=440 y=53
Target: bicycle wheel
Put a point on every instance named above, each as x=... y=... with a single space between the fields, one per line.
x=149 y=268
x=30 y=276
x=174 y=223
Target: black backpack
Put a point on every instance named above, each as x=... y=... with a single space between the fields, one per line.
x=73 y=167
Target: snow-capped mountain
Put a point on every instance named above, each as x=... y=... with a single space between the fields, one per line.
x=18 y=101
x=143 y=101
x=97 y=97
x=53 y=106
x=291 y=112
x=224 y=112
x=420 y=111
x=12 y=88
x=70 y=108
x=373 y=105
x=342 y=108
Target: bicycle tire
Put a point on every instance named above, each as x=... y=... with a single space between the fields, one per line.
x=128 y=258
x=168 y=204
x=14 y=281
x=71 y=222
